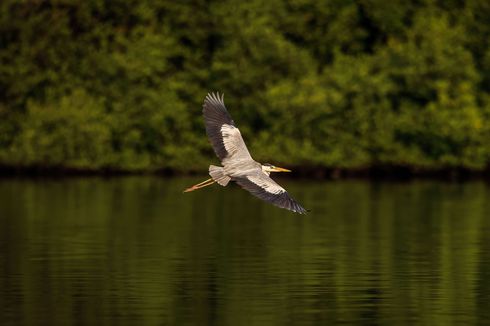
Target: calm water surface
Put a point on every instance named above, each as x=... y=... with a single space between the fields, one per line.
x=136 y=251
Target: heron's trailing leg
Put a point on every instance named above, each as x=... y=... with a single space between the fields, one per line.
x=200 y=185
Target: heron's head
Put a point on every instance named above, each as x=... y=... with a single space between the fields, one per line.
x=268 y=168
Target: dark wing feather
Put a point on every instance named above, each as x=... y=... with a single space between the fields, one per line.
x=225 y=138
x=262 y=186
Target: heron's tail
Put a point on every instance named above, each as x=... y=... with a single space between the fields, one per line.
x=216 y=172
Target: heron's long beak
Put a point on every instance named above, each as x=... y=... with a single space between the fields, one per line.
x=277 y=169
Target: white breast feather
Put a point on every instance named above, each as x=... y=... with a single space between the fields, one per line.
x=272 y=188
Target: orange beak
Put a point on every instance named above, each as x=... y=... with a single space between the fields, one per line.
x=278 y=169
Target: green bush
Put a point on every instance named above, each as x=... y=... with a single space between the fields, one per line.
x=74 y=132
x=119 y=85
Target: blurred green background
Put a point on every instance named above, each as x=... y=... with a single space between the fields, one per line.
x=118 y=85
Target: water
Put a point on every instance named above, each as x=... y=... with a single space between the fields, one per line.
x=136 y=251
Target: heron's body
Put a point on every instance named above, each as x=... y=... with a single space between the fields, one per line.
x=237 y=163
x=241 y=168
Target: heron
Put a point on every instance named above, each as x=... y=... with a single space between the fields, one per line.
x=237 y=163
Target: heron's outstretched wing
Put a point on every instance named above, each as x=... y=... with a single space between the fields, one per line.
x=263 y=187
x=225 y=138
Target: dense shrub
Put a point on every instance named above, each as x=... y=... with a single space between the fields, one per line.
x=103 y=84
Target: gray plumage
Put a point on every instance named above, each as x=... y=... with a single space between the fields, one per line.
x=217 y=173
x=238 y=164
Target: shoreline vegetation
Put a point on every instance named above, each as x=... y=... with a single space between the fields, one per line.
x=318 y=173
x=337 y=88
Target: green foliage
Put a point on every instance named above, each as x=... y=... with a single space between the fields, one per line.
x=119 y=85
x=74 y=132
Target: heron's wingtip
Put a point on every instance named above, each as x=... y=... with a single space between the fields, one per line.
x=215 y=97
x=302 y=211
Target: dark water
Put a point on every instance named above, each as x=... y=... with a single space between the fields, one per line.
x=137 y=251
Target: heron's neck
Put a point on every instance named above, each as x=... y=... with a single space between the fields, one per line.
x=264 y=169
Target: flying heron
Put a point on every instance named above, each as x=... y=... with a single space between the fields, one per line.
x=238 y=164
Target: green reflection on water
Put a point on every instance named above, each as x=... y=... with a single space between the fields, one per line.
x=135 y=250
